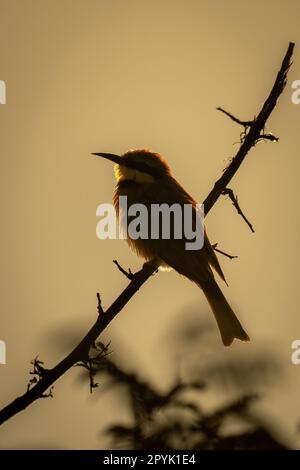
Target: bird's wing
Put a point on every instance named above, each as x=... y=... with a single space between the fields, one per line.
x=195 y=264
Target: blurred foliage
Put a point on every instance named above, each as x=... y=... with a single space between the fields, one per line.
x=179 y=417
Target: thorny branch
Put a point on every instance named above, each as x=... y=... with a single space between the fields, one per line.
x=254 y=131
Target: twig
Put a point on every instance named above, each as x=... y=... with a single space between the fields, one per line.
x=234 y=200
x=128 y=273
x=80 y=352
x=99 y=306
x=235 y=119
x=223 y=252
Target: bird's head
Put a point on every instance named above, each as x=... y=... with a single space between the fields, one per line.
x=142 y=165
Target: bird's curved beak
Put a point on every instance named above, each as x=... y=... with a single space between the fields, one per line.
x=110 y=156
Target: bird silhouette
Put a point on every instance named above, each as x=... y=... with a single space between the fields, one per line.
x=145 y=177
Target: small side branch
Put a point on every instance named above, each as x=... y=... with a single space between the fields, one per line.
x=235 y=119
x=223 y=252
x=128 y=273
x=234 y=200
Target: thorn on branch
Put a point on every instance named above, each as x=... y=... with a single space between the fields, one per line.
x=93 y=362
x=234 y=200
x=38 y=372
x=270 y=137
x=223 y=252
x=99 y=306
x=48 y=394
x=129 y=274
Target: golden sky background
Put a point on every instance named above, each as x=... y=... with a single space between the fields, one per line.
x=109 y=75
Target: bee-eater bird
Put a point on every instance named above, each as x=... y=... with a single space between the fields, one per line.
x=145 y=178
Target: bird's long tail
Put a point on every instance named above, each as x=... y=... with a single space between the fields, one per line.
x=227 y=321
